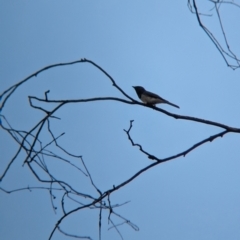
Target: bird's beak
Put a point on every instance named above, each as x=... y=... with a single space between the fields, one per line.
x=133 y=86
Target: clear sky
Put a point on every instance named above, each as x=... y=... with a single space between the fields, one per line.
x=155 y=44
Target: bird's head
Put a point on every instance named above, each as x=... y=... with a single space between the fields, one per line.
x=139 y=89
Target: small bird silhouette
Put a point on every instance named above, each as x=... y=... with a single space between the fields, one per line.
x=150 y=98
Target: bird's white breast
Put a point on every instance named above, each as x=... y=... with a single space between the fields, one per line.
x=150 y=100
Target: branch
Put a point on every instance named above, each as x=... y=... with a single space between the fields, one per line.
x=134 y=102
x=219 y=47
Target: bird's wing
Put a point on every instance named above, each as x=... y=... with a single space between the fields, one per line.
x=154 y=95
x=154 y=99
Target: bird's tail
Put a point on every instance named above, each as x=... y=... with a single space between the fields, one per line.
x=176 y=106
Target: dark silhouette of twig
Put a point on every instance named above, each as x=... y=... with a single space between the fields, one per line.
x=73 y=236
x=192 y=5
x=116 y=228
x=29 y=189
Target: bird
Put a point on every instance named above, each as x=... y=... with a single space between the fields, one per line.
x=150 y=98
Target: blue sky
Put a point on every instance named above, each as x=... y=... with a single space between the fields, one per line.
x=158 y=45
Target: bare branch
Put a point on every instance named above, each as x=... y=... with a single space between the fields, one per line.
x=226 y=54
x=73 y=236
